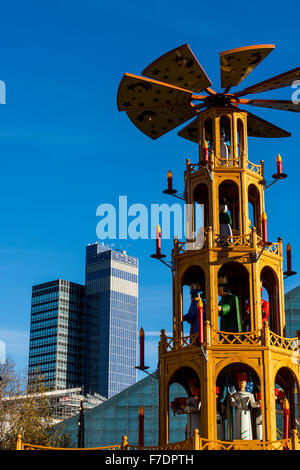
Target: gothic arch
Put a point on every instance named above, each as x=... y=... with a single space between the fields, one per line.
x=270 y=282
x=254 y=203
x=229 y=193
x=238 y=279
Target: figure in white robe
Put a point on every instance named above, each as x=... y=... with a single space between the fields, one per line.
x=225 y=152
x=225 y=223
x=241 y=401
x=192 y=409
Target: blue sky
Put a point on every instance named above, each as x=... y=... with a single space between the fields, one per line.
x=65 y=149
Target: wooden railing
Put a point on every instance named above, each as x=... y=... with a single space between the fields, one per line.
x=224 y=163
x=194 y=443
x=289 y=344
x=213 y=337
x=182 y=445
x=257 y=169
x=185 y=246
x=233 y=241
x=273 y=248
x=250 y=241
x=26 y=446
x=227 y=162
x=171 y=344
x=245 y=338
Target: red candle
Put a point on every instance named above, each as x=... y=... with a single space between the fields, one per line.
x=205 y=151
x=200 y=320
x=158 y=240
x=289 y=258
x=279 y=164
x=264 y=227
x=142 y=349
x=141 y=426
x=170 y=178
x=286 y=415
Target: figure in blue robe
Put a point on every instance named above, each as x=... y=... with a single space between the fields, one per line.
x=191 y=317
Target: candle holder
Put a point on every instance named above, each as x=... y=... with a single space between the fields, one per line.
x=289 y=273
x=279 y=176
x=205 y=163
x=142 y=368
x=158 y=256
x=170 y=191
x=264 y=243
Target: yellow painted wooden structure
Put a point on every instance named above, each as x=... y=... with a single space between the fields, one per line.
x=263 y=349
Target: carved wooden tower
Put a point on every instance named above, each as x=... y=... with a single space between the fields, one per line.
x=223 y=180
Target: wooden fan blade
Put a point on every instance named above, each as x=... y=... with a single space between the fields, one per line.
x=179 y=67
x=190 y=132
x=282 y=105
x=138 y=93
x=280 y=81
x=236 y=64
x=157 y=121
x=258 y=127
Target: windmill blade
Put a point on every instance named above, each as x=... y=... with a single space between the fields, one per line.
x=190 y=132
x=236 y=64
x=282 y=105
x=157 y=121
x=258 y=127
x=179 y=67
x=279 y=81
x=138 y=93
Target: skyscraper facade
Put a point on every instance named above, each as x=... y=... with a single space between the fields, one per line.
x=56 y=334
x=292 y=312
x=111 y=281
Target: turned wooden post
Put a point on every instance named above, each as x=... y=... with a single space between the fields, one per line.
x=19 y=442
x=124 y=443
x=196 y=440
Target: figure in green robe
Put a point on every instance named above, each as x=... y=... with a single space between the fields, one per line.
x=228 y=308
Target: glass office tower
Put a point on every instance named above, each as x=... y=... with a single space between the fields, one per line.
x=105 y=424
x=111 y=281
x=56 y=334
x=292 y=312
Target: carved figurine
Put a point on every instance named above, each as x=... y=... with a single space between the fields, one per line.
x=225 y=152
x=228 y=308
x=241 y=400
x=192 y=317
x=225 y=223
x=192 y=408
